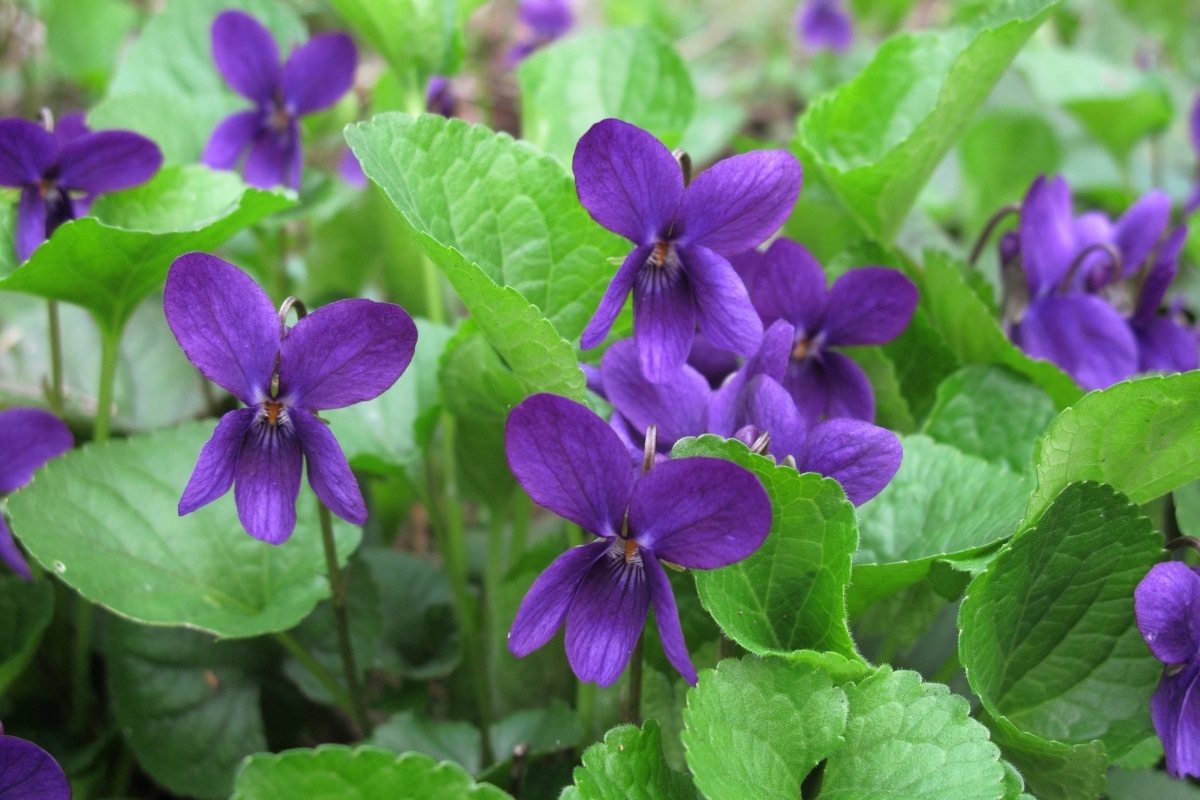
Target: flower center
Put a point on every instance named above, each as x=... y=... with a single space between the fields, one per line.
x=800 y=348
x=273 y=407
x=659 y=257
x=631 y=551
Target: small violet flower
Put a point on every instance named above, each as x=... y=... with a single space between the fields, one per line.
x=700 y=513
x=866 y=306
x=1167 y=607
x=29 y=437
x=344 y=353
x=439 y=96
x=825 y=24
x=542 y=22
x=315 y=76
x=60 y=173
x=27 y=772
x=678 y=269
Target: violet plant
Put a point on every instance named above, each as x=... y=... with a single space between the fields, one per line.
x=619 y=483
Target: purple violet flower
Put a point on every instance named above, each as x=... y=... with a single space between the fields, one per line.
x=825 y=24
x=1167 y=607
x=27 y=772
x=700 y=513
x=59 y=173
x=1165 y=342
x=344 y=353
x=315 y=76
x=678 y=269
x=29 y=437
x=866 y=306
x=542 y=21
x=351 y=171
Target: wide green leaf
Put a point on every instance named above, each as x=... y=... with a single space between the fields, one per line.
x=420 y=634
x=756 y=728
x=338 y=772
x=105 y=519
x=790 y=593
x=1139 y=436
x=25 y=611
x=1000 y=155
x=444 y=740
x=189 y=706
x=1052 y=770
x=109 y=262
x=628 y=765
x=1048 y=633
x=632 y=74
x=874 y=142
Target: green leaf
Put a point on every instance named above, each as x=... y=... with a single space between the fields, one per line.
x=990 y=412
x=83 y=37
x=1000 y=155
x=504 y=225
x=756 y=728
x=459 y=742
x=628 y=764
x=168 y=87
x=970 y=330
x=905 y=738
x=105 y=519
x=891 y=409
x=632 y=74
x=543 y=730
x=420 y=633
x=790 y=593
x=188 y=706
x=338 y=772
x=1048 y=634
x=921 y=359
x=875 y=140
x=25 y=611
x=1124 y=785
x=1117 y=106
x=1052 y=770
x=1139 y=436
x=108 y=266
x=1187 y=508
x=941 y=502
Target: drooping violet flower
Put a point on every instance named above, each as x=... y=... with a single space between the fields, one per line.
x=542 y=21
x=29 y=437
x=678 y=272
x=866 y=306
x=27 y=772
x=59 y=173
x=825 y=25
x=343 y=353
x=1167 y=607
x=700 y=513
x=315 y=76
x=439 y=96
x=1165 y=343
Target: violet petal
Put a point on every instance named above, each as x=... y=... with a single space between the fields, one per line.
x=569 y=461
x=872 y=305
x=677 y=405
x=1166 y=346
x=737 y=203
x=1159 y=278
x=666 y=617
x=1175 y=709
x=700 y=513
x=231 y=139
x=790 y=285
x=664 y=319
x=627 y=180
x=1047 y=233
x=849 y=392
x=217 y=465
x=345 y=353
x=274 y=159
x=108 y=161
x=31 y=223
x=723 y=308
x=329 y=473
x=767 y=406
x=614 y=297
x=27 y=772
x=1139 y=228
x=771 y=360
x=710 y=361
x=1083 y=335
x=29 y=437
x=825 y=24
x=860 y=456
x=545 y=605
x=319 y=72
x=268 y=480
x=225 y=324
x=1166 y=604
x=606 y=617
x=246 y=55
x=26 y=152
x=11 y=554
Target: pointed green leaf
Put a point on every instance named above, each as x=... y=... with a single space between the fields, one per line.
x=628 y=765
x=1052 y=770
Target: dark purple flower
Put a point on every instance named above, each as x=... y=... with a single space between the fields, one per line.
x=59 y=173
x=341 y=354
x=1167 y=606
x=825 y=24
x=27 y=772
x=315 y=76
x=351 y=171
x=700 y=513
x=678 y=272
x=864 y=306
x=1166 y=343
x=439 y=96
x=29 y=437
x=542 y=22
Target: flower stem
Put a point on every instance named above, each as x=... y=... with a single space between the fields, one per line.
x=81 y=673
x=110 y=348
x=56 y=364
x=435 y=304
x=339 y=585
x=633 y=708
x=585 y=710
x=323 y=676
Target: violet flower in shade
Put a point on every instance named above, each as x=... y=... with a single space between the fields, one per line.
x=340 y=354
x=825 y=25
x=59 y=173
x=439 y=96
x=866 y=306
x=678 y=269
x=29 y=437
x=542 y=22
x=27 y=772
x=1165 y=343
x=1167 y=607
x=700 y=513
x=351 y=171
x=314 y=77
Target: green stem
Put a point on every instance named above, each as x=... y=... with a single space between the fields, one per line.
x=339 y=585
x=435 y=304
x=110 y=348
x=323 y=676
x=633 y=708
x=585 y=709
x=56 y=364
x=81 y=675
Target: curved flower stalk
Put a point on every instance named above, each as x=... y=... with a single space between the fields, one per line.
x=27 y=772
x=700 y=513
x=678 y=269
x=314 y=77
x=825 y=25
x=29 y=437
x=341 y=354
x=60 y=173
